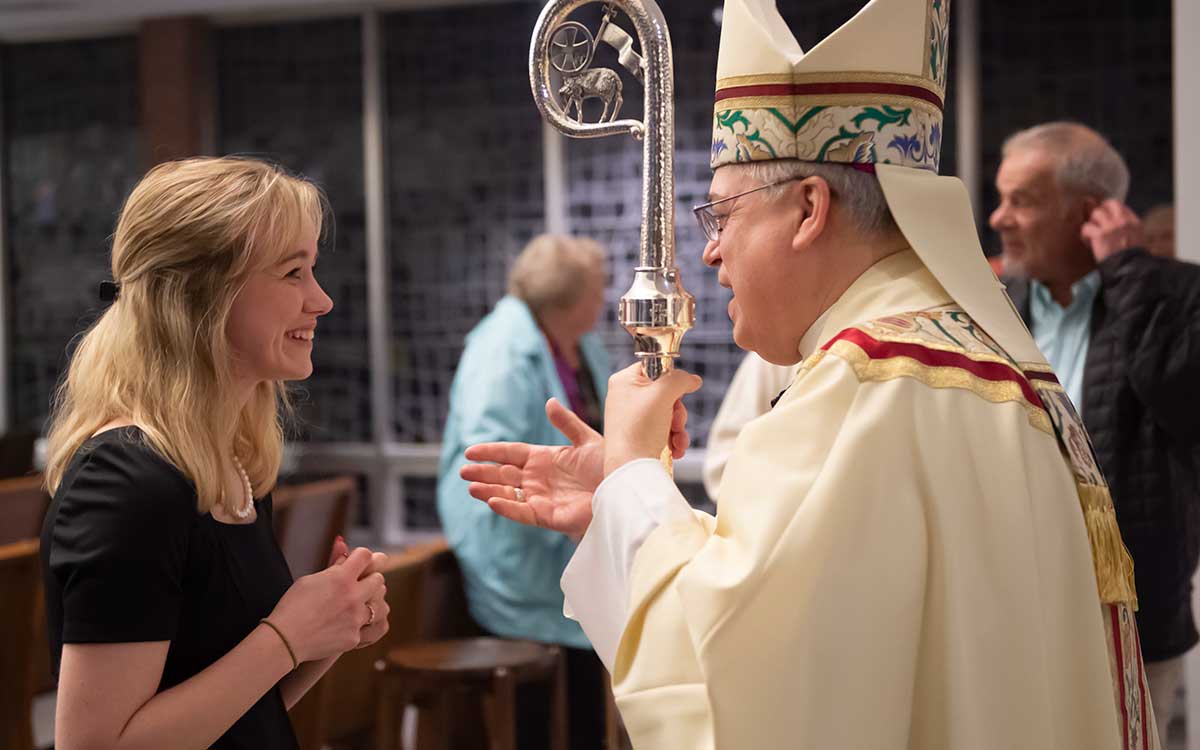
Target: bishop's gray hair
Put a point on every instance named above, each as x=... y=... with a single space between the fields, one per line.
x=1087 y=163
x=857 y=191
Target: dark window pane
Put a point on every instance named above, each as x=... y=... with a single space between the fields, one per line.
x=604 y=180
x=420 y=504
x=1107 y=65
x=72 y=155
x=465 y=188
x=293 y=93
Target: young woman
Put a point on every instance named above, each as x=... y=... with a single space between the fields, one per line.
x=174 y=622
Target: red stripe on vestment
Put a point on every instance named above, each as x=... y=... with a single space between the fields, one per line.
x=1049 y=377
x=1142 y=692
x=1116 y=627
x=993 y=371
x=869 y=88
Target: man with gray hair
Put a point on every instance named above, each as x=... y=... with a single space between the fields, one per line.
x=1122 y=330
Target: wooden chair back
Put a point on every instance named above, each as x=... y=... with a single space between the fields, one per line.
x=308 y=517
x=443 y=606
x=16 y=453
x=19 y=588
x=23 y=504
x=424 y=594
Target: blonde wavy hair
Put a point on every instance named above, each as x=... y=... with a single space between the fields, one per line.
x=189 y=236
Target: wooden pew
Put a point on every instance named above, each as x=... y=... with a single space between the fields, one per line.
x=427 y=602
x=308 y=517
x=20 y=587
x=23 y=504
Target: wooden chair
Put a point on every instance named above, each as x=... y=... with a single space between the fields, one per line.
x=23 y=504
x=308 y=517
x=430 y=674
x=16 y=453
x=426 y=601
x=435 y=660
x=19 y=588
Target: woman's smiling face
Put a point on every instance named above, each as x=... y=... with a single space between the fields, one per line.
x=274 y=318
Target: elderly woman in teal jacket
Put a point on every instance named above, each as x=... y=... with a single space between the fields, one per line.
x=535 y=344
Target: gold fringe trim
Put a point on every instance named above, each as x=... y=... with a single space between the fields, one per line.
x=1036 y=367
x=1114 y=566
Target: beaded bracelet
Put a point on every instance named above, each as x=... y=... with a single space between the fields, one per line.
x=286 y=645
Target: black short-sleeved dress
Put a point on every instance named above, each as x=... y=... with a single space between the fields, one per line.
x=126 y=557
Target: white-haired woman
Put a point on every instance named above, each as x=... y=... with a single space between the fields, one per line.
x=535 y=345
x=174 y=621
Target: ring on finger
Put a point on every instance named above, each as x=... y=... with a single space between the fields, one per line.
x=370 y=614
x=519 y=493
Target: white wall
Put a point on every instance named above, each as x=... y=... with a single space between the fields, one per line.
x=4 y=414
x=1187 y=110
x=1187 y=234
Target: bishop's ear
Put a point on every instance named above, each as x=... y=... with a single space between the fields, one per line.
x=814 y=201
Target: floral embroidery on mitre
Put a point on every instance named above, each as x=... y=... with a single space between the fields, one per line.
x=847 y=116
x=878 y=133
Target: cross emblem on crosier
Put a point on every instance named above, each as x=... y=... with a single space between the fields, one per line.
x=571 y=48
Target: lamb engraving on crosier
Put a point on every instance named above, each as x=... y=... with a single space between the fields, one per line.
x=598 y=83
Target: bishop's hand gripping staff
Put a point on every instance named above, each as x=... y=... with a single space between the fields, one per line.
x=656 y=310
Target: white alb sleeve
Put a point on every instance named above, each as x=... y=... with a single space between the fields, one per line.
x=629 y=504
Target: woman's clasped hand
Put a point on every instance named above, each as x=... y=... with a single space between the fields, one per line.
x=336 y=610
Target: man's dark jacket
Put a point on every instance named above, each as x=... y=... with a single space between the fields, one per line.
x=1141 y=406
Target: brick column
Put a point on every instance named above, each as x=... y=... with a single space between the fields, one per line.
x=178 y=89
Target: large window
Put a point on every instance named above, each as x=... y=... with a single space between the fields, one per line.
x=72 y=154
x=464 y=168
x=293 y=93
x=1107 y=65
x=464 y=146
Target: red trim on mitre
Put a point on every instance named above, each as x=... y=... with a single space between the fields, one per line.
x=993 y=371
x=868 y=88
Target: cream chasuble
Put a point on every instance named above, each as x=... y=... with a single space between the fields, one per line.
x=899 y=560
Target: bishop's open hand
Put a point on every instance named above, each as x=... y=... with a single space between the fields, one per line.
x=556 y=481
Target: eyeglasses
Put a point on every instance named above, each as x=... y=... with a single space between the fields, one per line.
x=710 y=223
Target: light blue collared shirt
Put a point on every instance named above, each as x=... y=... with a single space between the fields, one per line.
x=1062 y=333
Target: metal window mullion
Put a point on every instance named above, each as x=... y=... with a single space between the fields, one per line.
x=1186 y=61
x=554 y=179
x=1185 y=28
x=5 y=291
x=967 y=83
x=384 y=486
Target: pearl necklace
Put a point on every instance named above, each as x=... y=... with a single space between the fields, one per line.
x=248 y=503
